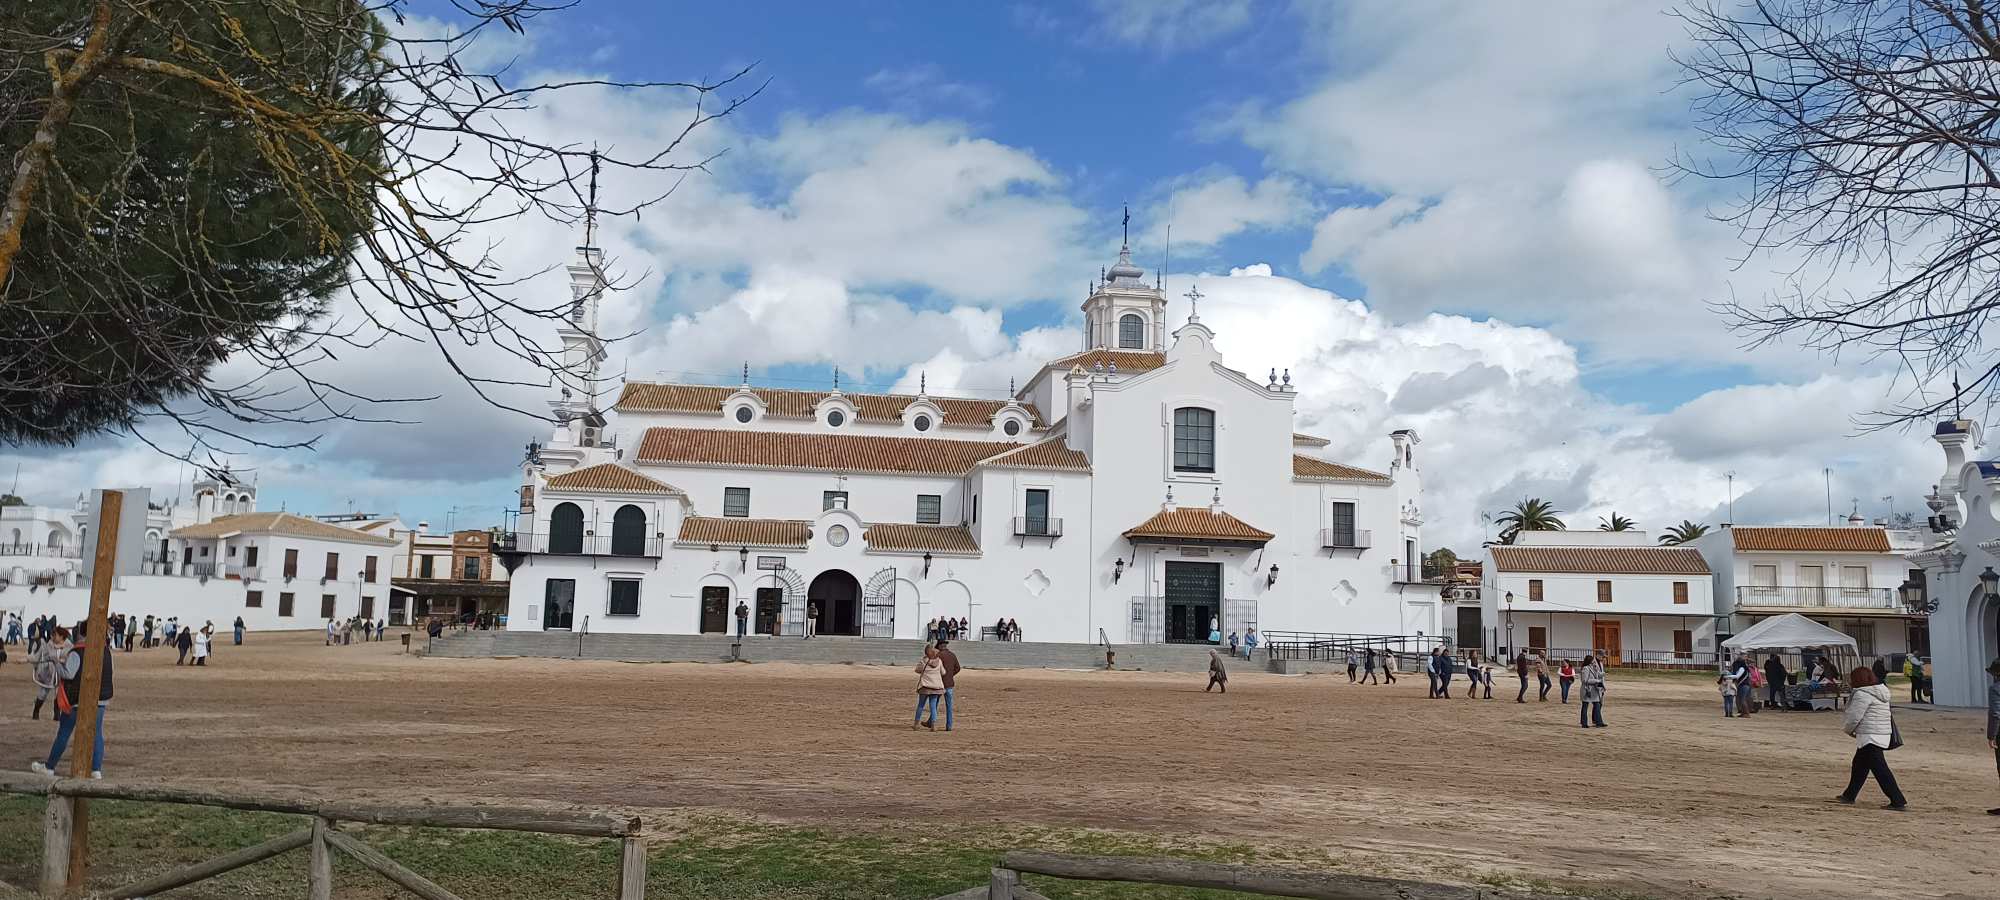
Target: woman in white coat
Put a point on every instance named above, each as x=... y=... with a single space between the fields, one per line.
x=201 y=639
x=1868 y=720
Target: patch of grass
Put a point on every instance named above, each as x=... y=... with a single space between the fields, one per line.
x=705 y=856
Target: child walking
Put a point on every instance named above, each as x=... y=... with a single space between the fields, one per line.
x=1726 y=685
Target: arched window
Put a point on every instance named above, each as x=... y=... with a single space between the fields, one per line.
x=1194 y=439
x=1131 y=332
x=628 y=531
x=566 y=529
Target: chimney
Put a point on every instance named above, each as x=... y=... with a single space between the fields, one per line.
x=423 y=528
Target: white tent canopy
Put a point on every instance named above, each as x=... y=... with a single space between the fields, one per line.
x=1790 y=630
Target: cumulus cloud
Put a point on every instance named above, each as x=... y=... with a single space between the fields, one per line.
x=1210 y=207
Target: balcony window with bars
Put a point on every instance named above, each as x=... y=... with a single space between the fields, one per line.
x=1604 y=592
x=736 y=502
x=930 y=509
x=1194 y=439
x=1681 y=592
x=1036 y=511
x=1534 y=589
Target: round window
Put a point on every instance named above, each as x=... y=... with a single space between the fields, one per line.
x=743 y=414
x=923 y=423
x=834 y=418
x=1013 y=427
x=837 y=535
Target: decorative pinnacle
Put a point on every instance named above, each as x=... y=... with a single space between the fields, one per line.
x=923 y=383
x=746 y=373
x=1010 y=391
x=836 y=378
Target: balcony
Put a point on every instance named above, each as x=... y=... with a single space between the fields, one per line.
x=1345 y=539
x=51 y=551
x=587 y=545
x=1794 y=597
x=1038 y=526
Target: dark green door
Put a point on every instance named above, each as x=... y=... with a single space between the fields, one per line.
x=1194 y=597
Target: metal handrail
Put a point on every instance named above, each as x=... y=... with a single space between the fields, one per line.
x=1346 y=539
x=1816 y=597
x=584 y=545
x=1038 y=526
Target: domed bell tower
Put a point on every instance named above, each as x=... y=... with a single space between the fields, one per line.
x=1123 y=311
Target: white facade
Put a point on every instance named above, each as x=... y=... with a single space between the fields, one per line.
x=1848 y=578
x=889 y=511
x=1965 y=620
x=1571 y=593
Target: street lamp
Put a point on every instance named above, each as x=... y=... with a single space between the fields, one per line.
x=1990 y=581
x=1510 y=623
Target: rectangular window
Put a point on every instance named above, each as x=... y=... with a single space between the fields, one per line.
x=285 y=605
x=930 y=509
x=368 y=571
x=736 y=502
x=250 y=555
x=1194 y=439
x=326 y=603
x=333 y=567
x=1854 y=579
x=1604 y=592
x=1681 y=592
x=975 y=509
x=1037 y=509
x=1538 y=637
x=1764 y=577
x=367 y=607
x=1534 y=589
x=472 y=568
x=232 y=551
x=424 y=565
x=832 y=500
x=204 y=553
x=253 y=599
x=1341 y=524
x=624 y=598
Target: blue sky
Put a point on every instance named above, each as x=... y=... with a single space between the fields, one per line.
x=927 y=188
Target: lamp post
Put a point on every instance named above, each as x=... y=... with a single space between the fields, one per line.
x=1509 y=649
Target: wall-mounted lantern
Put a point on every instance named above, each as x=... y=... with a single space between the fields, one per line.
x=1117 y=570
x=1271 y=579
x=927 y=565
x=743 y=559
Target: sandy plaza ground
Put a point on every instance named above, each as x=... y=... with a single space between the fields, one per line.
x=1672 y=801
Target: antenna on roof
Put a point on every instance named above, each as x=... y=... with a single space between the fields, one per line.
x=590 y=209
x=1160 y=281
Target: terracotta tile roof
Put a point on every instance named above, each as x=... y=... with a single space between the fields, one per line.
x=925 y=538
x=1307 y=440
x=1600 y=560
x=1313 y=467
x=277 y=523
x=371 y=526
x=1051 y=453
x=1127 y=360
x=790 y=404
x=1197 y=524
x=609 y=477
x=1812 y=540
x=835 y=452
x=788 y=533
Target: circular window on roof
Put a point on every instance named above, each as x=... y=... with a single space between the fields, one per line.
x=1013 y=427
x=922 y=422
x=837 y=535
x=834 y=418
x=744 y=414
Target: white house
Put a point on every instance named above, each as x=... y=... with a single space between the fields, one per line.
x=1609 y=593
x=1130 y=492
x=1961 y=583
x=1849 y=578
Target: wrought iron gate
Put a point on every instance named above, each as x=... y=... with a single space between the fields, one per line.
x=878 y=605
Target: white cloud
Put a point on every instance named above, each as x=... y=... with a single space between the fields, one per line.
x=927 y=86
x=1170 y=25
x=1208 y=208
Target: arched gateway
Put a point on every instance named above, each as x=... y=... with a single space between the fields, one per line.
x=838 y=596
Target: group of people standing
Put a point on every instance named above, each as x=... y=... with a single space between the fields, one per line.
x=342 y=631
x=1442 y=666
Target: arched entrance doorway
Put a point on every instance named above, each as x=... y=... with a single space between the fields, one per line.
x=838 y=598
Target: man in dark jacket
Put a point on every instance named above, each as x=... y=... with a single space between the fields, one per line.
x=1993 y=718
x=72 y=684
x=951 y=669
x=1775 y=679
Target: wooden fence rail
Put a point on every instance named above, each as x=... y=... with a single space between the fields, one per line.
x=320 y=836
x=1006 y=880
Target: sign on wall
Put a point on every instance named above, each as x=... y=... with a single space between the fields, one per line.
x=771 y=563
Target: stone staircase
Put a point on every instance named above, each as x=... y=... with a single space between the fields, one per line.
x=820 y=650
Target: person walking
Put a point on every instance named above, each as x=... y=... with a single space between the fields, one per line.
x=1993 y=717
x=1540 y=664
x=1353 y=665
x=1368 y=664
x=1775 y=679
x=742 y=620
x=45 y=666
x=1521 y=672
x=951 y=670
x=1446 y=665
x=183 y=642
x=147 y=639
x=1591 y=711
x=1218 y=677
x=1725 y=684
x=69 y=690
x=1431 y=672
x=1250 y=643
x=331 y=630
x=201 y=642
x=236 y=631
x=1234 y=641
x=812 y=625
x=1567 y=676
x=131 y=632
x=1389 y=665
x=1472 y=675
x=1872 y=724
x=930 y=686
x=1745 y=692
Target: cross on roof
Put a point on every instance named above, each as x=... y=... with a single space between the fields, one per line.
x=1194 y=296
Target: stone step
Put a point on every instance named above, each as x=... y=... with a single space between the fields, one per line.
x=823 y=650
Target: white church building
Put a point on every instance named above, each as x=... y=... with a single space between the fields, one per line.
x=1131 y=492
x=1962 y=569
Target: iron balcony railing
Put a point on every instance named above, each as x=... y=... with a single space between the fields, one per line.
x=1345 y=539
x=54 y=551
x=1326 y=646
x=1801 y=597
x=585 y=545
x=1038 y=526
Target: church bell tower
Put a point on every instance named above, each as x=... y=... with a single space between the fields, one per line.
x=1124 y=312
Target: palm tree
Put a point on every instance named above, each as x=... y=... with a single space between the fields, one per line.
x=1531 y=514
x=1684 y=532
x=1615 y=523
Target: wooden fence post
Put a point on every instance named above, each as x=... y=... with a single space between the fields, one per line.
x=55 y=845
x=94 y=646
x=632 y=869
x=1003 y=884
x=319 y=871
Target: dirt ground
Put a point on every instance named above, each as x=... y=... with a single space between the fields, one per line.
x=1673 y=800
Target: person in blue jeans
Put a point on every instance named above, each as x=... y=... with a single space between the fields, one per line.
x=951 y=670
x=72 y=669
x=930 y=686
x=742 y=619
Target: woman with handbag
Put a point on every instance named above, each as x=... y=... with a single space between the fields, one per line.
x=1869 y=720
